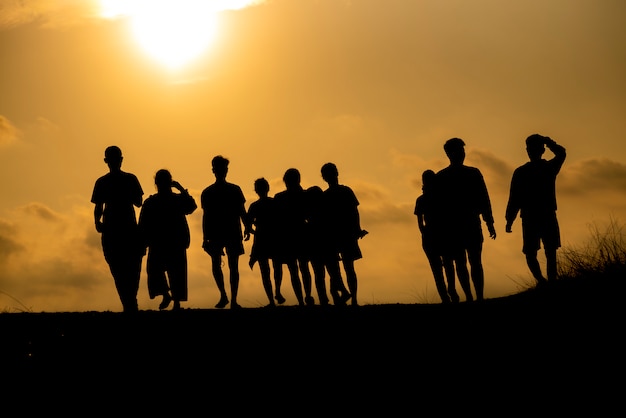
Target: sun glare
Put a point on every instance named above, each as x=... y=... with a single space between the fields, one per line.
x=174 y=32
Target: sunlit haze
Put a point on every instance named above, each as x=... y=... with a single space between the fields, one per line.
x=173 y=32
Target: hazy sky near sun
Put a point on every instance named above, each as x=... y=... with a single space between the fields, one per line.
x=375 y=86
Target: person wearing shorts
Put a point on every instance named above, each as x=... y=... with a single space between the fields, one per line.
x=224 y=212
x=533 y=195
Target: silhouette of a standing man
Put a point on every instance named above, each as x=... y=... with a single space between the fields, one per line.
x=115 y=196
x=165 y=231
x=344 y=225
x=533 y=195
x=463 y=199
x=223 y=215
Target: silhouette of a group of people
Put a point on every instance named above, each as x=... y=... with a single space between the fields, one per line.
x=304 y=229
x=455 y=201
x=315 y=232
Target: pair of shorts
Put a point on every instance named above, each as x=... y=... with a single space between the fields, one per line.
x=350 y=250
x=218 y=248
x=537 y=230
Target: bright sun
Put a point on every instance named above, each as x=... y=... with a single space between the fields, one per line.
x=174 y=32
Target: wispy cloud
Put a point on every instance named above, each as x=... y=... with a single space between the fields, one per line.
x=49 y=13
x=596 y=175
x=8 y=242
x=41 y=212
x=8 y=132
x=62 y=13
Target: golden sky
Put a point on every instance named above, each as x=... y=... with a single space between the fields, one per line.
x=376 y=86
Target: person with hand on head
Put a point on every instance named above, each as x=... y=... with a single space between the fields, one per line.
x=165 y=232
x=532 y=194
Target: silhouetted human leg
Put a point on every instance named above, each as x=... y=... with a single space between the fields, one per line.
x=351 y=279
x=448 y=267
x=319 y=274
x=124 y=255
x=477 y=274
x=264 y=266
x=533 y=265
x=177 y=273
x=278 y=280
x=155 y=269
x=436 y=266
x=218 y=275
x=292 y=266
x=338 y=291
x=551 y=263
x=306 y=281
x=233 y=267
x=126 y=272
x=463 y=274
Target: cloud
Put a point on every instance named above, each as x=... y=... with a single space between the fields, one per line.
x=42 y=212
x=8 y=242
x=49 y=13
x=8 y=133
x=596 y=175
x=54 y=14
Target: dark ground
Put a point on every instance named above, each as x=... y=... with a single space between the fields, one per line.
x=536 y=350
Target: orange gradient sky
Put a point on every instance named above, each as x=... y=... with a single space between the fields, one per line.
x=375 y=86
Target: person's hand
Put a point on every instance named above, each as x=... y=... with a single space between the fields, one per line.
x=177 y=186
x=492 y=231
x=99 y=226
x=246 y=236
x=508 y=227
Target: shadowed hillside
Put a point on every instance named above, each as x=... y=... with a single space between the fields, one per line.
x=559 y=346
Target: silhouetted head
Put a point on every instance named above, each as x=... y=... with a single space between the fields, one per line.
x=292 y=178
x=535 y=146
x=428 y=180
x=455 y=150
x=220 y=166
x=261 y=187
x=314 y=194
x=330 y=174
x=315 y=190
x=163 y=180
x=113 y=157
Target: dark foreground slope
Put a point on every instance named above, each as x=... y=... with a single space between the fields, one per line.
x=522 y=350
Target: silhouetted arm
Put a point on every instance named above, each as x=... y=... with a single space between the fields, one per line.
x=559 y=154
x=190 y=204
x=245 y=220
x=98 y=211
x=486 y=210
x=513 y=205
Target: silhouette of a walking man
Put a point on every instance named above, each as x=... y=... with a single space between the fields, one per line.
x=344 y=225
x=463 y=199
x=533 y=196
x=165 y=231
x=429 y=224
x=223 y=215
x=115 y=196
